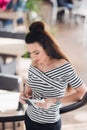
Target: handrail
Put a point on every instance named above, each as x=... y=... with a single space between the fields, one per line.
x=75 y=105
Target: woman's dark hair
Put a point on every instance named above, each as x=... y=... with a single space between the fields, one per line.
x=37 y=33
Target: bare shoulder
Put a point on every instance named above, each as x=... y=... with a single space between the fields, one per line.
x=61 y=62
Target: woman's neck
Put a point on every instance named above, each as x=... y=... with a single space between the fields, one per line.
x=46 y=62
x=47 y=65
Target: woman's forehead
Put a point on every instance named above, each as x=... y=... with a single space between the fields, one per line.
x=34 y=46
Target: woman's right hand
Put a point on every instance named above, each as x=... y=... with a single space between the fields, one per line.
x=23 y=95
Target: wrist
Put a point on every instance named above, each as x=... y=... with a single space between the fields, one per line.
x=55 y=100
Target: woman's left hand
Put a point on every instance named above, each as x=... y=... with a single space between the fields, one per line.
x=47 y=104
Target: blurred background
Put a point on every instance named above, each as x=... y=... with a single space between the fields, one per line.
x=67 y=21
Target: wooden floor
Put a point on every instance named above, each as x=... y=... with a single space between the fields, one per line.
x=70 y=37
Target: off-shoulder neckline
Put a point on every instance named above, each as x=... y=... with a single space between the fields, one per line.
x=53 y=69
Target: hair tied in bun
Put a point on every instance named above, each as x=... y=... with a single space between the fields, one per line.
x=38 y=25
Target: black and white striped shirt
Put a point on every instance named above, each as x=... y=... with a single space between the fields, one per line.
x=52 y=83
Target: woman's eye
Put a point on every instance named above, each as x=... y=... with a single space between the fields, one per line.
x=36 y=53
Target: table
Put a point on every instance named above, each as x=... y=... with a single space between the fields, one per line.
x=12 y=47
x=8 y=108
x=11 y=116
x=14 y=16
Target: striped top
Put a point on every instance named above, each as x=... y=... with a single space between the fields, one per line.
x=52 y=83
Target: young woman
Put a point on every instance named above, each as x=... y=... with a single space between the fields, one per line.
x=49 y=76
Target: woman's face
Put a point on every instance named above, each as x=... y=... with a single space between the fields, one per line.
x=37 y=53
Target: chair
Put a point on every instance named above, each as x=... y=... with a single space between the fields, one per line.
x=10 y=83
x=9 y=68
x=55 y=10
x=79 y=10
x=1 y=62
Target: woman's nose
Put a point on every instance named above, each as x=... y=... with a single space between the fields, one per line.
x=33 y=57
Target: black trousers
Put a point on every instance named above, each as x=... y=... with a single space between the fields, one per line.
x=31 y=125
